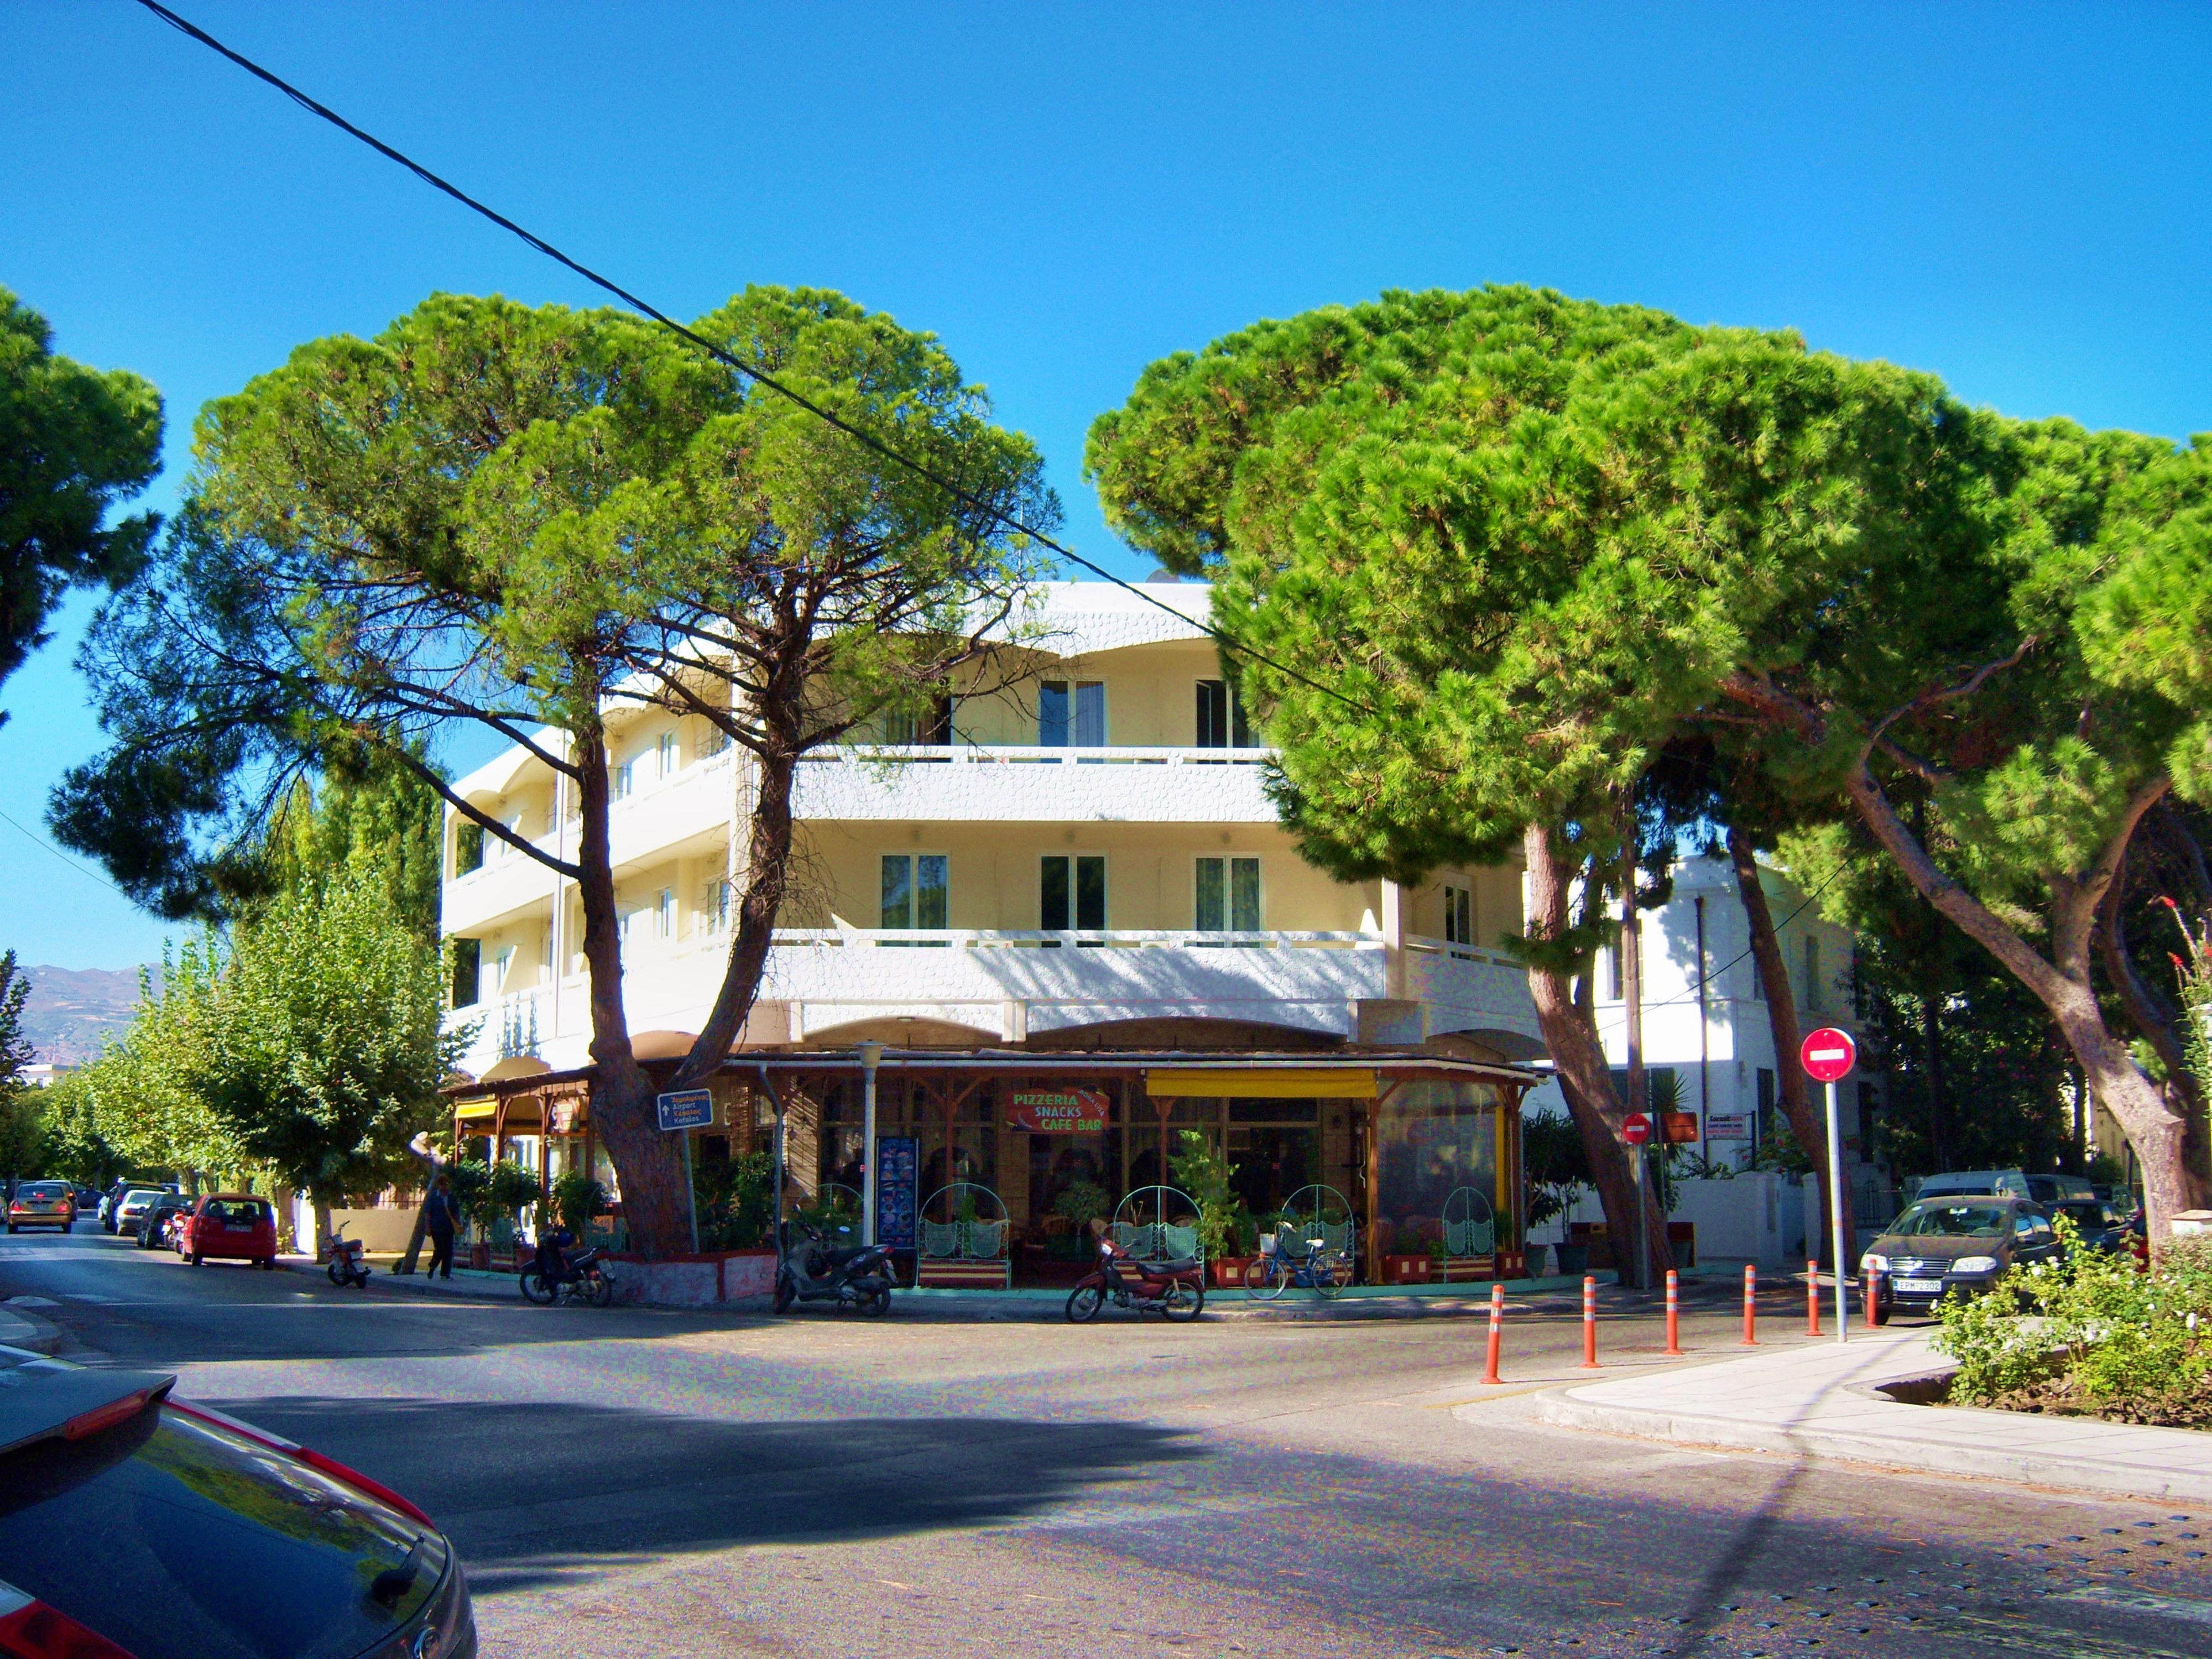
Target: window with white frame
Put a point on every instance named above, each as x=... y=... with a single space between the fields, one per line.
x=1228 y=896
x=713 y=740
x=916 y=891
x=714 y=902
x=1072 y=714
x=664 y=914
x=1220 y=717
x=621 y=779
x=1071 y=892
x=668 y=752
x=1459 y=915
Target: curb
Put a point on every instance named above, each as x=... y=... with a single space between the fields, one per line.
x=1908 y=1452
x=38 y=1335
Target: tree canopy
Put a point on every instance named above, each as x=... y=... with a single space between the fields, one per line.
x=75 y=442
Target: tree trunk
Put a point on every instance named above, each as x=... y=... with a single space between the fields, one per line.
x=2155 y=1131
x=1809 y=1128
x=2158 y=1024
x=1585 y=1078
x=767 y=868
x=646 y=1161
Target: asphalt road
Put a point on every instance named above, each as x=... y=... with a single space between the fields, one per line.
x=629 y=1482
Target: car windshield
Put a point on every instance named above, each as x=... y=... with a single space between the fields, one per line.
x=44 y=1189
x=1942 y=1220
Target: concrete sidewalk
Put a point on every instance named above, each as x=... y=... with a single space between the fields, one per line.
x=1822 y=1400
x=465 y=1281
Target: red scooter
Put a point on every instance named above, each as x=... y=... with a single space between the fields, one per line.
x=1175 y=1289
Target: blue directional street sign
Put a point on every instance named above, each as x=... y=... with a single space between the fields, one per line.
x=686 y=1109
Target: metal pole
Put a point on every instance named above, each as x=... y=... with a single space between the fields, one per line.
x=690 y=1191
x=872 y=1055
x=1836 y=1217
x=775 y=1101
x=1642 y=1227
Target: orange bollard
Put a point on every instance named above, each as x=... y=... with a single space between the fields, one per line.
x=1872 y=1279
x=1497 y=1328
x=1673 y=1311
x=1812 y=1298
x=1589 y=1322
x=1750 y=1305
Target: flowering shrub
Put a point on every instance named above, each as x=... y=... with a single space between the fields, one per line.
x=2090 y=1333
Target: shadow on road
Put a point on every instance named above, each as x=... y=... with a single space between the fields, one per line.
x=534 y=1493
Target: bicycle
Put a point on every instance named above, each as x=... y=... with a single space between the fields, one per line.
x=1319 y=1269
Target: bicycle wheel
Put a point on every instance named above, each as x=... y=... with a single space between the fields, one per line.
x=536 y=1287
x=1330 y=1274
x=1182 y=1301
x=1084 y=1303
x=1264 y=1279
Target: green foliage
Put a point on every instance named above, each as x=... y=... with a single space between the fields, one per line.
x=737 y=1201
x=75 y=442
x=2091 y=1332
x=1203 y=1172
x=1780 y=1152
x=577 y=1197
x=323 y=1043
x=1555 y=1164
x=508 y=1189
x=141 y=1096
x=1083 y=1202
x=469 y=1180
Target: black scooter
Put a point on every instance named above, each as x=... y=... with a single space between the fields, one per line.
x=813 y=1269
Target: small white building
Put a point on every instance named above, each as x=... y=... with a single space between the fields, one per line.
x=1707 y=1032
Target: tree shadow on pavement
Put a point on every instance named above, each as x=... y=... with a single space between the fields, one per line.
x=533 y=1493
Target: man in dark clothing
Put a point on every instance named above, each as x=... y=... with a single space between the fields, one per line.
x=438 y=1222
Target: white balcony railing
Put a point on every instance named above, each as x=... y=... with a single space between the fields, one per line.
x=1031 y=754
x=986 y=939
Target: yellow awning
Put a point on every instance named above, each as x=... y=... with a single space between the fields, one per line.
x=473 y=1109
x=1264 y=1083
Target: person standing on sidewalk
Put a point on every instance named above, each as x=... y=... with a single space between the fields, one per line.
x=438 y=1223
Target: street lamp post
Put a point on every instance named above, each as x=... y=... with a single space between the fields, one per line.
x=872 y=1055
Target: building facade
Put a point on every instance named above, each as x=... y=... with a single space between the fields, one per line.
x=1073 y=879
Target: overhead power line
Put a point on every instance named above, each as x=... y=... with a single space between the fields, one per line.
x=860 y=434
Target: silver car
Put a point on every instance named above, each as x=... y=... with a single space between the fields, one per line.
x=133 y=1205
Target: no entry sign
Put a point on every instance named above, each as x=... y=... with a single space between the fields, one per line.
x=1829 y=1055
x=1637 y=1129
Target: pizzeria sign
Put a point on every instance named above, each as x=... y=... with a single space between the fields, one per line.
x=1058 y=1111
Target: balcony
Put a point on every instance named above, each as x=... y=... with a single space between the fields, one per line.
x=1015 y=784
x=1006 y=983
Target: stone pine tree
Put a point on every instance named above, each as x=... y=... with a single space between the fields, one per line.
x=1386 y=495
x=75 y=442
x=523 y=520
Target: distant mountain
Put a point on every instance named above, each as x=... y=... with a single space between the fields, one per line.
x=70 y=1009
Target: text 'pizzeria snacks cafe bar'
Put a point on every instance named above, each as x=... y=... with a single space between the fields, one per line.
x=993 y=1165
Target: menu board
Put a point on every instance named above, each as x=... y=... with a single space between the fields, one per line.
x=898 y=1157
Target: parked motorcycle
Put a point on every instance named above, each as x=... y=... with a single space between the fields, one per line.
x=345 y=1266
x=553 y=1277
x=1175 y=1289
x=811 y=1268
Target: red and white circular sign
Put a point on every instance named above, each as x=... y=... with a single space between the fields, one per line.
x=1829 y=1055
x=1637 y=1129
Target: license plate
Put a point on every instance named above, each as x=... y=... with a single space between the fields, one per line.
x=1919 y=1287
x=238 y=1227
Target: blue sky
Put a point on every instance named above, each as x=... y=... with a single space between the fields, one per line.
x=2014 y=197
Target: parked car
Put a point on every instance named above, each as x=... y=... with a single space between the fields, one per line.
x=133 y=1204
x=88 y=1200
x=135 y=1526
x=122 y=1190
x=2101 y=1229
x=1957 y=1246
x=42 y=1204
x=153 y=1229
x=231 y=1227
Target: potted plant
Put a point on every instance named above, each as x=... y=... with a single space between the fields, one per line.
x=1081 y=1202
x=1200 y=1171
x=1559 y=1173
x=1405 y=1261
x=1437 y=1256
x=509 y=1191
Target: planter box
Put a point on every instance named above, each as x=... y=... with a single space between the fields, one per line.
x=1228 y=1271
x=1406 y=1269
x=480 y=1257
x=704 y=1281
x=1464 y=1269
x=1682 y=1239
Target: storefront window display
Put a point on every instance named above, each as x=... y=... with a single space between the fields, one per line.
x=1433 y=1137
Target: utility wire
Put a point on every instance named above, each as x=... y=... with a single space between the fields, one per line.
x=33 y=835
x=860 y=434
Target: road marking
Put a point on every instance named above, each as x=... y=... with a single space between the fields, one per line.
x=2135 y=1600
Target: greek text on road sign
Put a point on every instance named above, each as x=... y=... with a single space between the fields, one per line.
x=687 y=1108
x=1829 y=1055
x=1638 y=1129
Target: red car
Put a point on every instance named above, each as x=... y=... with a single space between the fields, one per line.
x=234 y=1226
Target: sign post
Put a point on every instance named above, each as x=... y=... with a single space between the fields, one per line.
x=1828 y=1056
x=680 y=1113
x=1637 y=1131
x=870 y=1054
